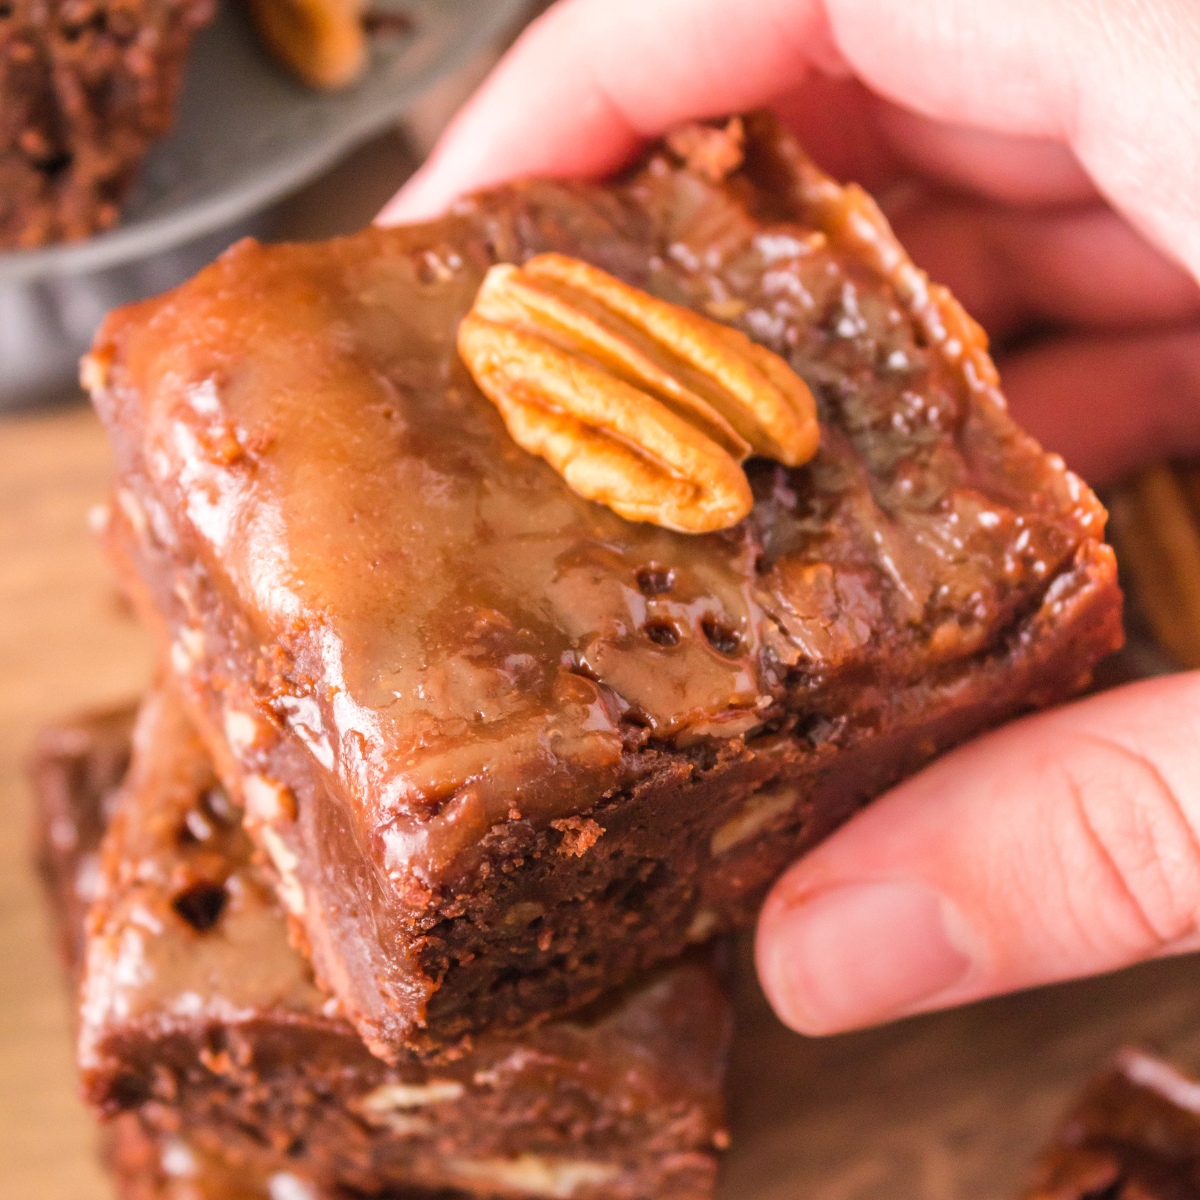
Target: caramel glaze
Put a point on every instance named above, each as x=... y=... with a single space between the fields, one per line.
x=198 y=1015
x=359 y=555
x=1133 y=1134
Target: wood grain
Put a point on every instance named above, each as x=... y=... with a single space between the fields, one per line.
x=65 y=643
x=935 y=1108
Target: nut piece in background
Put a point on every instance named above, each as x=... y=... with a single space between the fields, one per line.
x=1154 y=525
x=321 y=41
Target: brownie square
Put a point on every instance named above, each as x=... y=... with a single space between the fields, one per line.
x=502 y=747
x=85 y=87
x=200 y=1027
x=1132 y=1134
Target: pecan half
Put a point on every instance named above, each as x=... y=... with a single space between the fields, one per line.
x=639 y=404
x=321 y=41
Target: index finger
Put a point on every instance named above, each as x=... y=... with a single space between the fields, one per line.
x=1113 y=79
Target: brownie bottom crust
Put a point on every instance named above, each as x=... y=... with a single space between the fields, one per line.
x=147 y=1165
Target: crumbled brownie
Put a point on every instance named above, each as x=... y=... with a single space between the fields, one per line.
x=502 y=747
x=199 y=1020
x=85 y=87
x=1133 y=1134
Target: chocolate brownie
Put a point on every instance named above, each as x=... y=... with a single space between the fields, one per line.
x=1133 y=1134
x=200 y=1019
x=85 y=87
x=503 y=747
x=76 y=768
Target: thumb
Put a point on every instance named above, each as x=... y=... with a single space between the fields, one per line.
x=1064 y=845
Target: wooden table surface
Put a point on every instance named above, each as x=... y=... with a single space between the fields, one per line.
x=942 y=1107
x=65 y=643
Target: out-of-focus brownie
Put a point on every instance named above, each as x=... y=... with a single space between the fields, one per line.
x=148 y=1165
x=1133 y=1134
x=200 y=1019
x=85 y=87
x=504 y=748
x=76 y=769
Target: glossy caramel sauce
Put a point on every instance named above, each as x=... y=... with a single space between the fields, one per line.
x=453 y=634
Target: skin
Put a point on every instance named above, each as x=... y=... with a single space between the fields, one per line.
x=1041 y=158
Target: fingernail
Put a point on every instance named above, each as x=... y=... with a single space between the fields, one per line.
x=856 y=955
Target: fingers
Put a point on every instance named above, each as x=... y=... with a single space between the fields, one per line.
x=1062 y=846
x=854 y=134
x=1077 y=266
x=1115 y=80
x=1002 y=166
x=1110 y=404
x=593 y=77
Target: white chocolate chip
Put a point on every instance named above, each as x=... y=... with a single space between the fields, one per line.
x=284 y=1186
x=192 y=641
x=93 y=372
x=534 y=1175
x=757 y=813
x=187 y=649
x=98 y=517
x=241 y=730
x=266 y=800
x=179 y=659
x=387 y=1103
x=290 y=891
x=135 y=514
x=703 y=926
x=178 y=1162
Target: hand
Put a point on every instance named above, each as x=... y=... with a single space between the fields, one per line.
x=1041 y=158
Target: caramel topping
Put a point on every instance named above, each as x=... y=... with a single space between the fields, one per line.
x=441 y=623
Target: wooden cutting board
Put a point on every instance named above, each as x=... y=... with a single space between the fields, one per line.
x=941 y=1107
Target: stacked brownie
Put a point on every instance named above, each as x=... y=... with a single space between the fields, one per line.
x=501 y=755
x=202 y=1031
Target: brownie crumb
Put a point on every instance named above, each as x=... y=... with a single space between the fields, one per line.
x=709 y=151
x=580 y=834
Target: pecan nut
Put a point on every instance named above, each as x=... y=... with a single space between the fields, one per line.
x=321 y=41
x=639 y=404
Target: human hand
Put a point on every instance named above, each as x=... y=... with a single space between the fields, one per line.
x=1041 y=158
